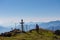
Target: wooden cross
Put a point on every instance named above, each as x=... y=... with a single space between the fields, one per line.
x=22 y=25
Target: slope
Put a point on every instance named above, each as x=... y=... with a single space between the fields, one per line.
x=43 y=35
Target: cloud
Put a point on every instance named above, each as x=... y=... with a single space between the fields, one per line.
x=12 y=21
x=40 y=19
x=7 y=21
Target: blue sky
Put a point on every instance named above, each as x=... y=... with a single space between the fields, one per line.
x=30 y=10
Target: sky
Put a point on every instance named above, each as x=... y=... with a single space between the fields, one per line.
x=12 y=11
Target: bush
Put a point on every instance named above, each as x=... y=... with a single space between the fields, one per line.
x=57 y=32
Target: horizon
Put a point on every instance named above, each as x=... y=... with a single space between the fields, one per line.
x=25 y=23
x=12 y=11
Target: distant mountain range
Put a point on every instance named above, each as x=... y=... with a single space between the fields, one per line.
x=53 y=25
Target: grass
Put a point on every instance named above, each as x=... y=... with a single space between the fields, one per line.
x=43 y=35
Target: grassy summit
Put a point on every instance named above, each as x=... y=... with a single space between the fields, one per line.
x=33 y=35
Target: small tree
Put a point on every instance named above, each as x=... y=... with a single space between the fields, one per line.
x=37 y=28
